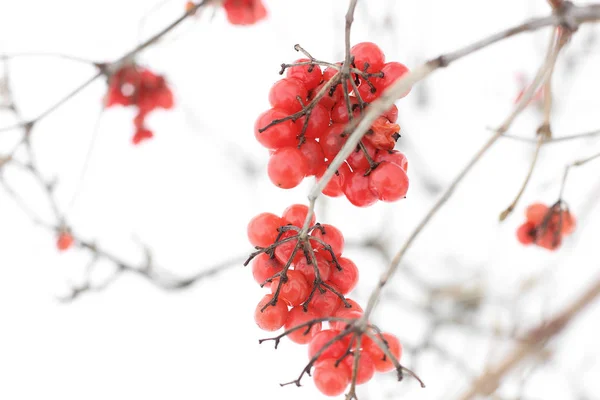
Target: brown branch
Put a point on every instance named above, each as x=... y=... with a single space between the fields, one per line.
x=536 y=340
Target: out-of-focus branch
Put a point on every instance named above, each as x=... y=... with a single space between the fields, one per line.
x=542 y=75
x=535 y=340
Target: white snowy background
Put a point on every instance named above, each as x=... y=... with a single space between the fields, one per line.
x=188 y=195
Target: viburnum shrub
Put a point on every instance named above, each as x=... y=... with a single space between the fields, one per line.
x=308 y=278
x=306 y=127
x=546 y=226
x=133 y=85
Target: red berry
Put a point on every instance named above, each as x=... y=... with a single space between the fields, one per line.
x=318 y=122
x=327 y=101
x=368 y=53
x=334 y=187
x=263 y=229
x=325 y=304
x=357 y=189
x=244 y=12
x=331 y=236
x=296 y=214
x=309 y=269
x=276 y=136
x=287 y=167
x=382 y=134
x=526 y=233
x=342 y=313
x=393 y=156
x=283 y=252
x=319 y=341
x=331 y=379
x=549 y=239
x=536 y=213
x=297 y=316
x=568 y=223
x=391 y=114
x=332 y=140
x=383 y=363
x=295 y=291
x=354 y=306
x=264 y=267
x=358 y=160
x=64 y=241
x=273 y=317
x=389 y=181
x=339 y=112
x=310 y=75
x=313 y=152
x=392 y=71
x=368 y=93
x=366 y=367
x=284 y=93
x=346 y=279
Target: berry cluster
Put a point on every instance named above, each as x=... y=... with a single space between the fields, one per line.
x=133 y=85
x=308 y=279
x=305 y=127
x=546 y=226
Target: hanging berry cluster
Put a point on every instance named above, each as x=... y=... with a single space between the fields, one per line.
x=305 y=127
x=308 y=279
x=133 y=85
x=546 y=226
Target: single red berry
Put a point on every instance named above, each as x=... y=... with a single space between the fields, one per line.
x=313 y=152
x=392 y=72
x=536 y=213
x=320 y=340
x=389 y=181
x=294 y=291
x=308 y=270
x=244 y=12
x=296 y=317
x=548 y=239
x=393 y=156
x=568 y=223
x=141 y=134
x=358 y=160
x=391 y=114
x=339 y=112
x=342 y=313
x=64 y=241
x=526 y=233
x=328 y=100
x=357 y=189
x=366 y=367
x=284 y=95
x=331 y=236
x=310 y=75
x=318 y=122
x=296 y=214
x=381 y=361
x=276 y=136
x=383 y=134
x=325 y=304
x=263 y=229
x=368 y=93
x=346 y=279
x=283 y=252
x=367 y=54
x=264 y=267
x=273 y=317
x=287 y=167
x=334 y=187
x=332 y=140
x=331 y=378
x=354 y=306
